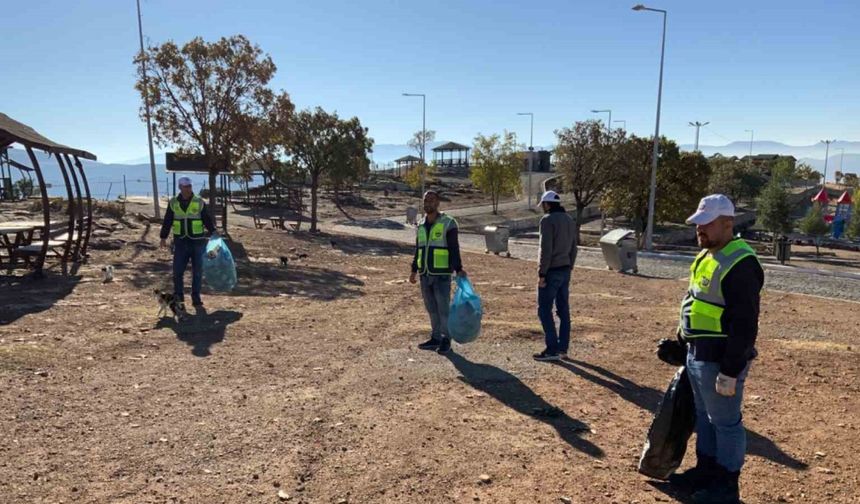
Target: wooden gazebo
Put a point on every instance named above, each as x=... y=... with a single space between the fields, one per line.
x=63 y=239
x=457 y=161
x=404 y=164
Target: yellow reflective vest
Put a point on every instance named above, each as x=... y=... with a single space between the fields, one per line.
x=188 y=223
x=434 y=258
x=703 y=306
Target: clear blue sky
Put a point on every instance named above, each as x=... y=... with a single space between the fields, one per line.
x=787 y=69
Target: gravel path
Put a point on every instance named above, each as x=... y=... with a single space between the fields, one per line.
x=793 y=281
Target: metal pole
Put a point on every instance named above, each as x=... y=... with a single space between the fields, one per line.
x=649 y=229
x=423 y=141
x=826 y=156
x=155 y=205
x=622 y=121
x=752 y=133
x=124 y=187
x=531 y=152
x=698 y=125
x=841 y=158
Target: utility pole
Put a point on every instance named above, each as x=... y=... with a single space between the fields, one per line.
x=531 y=151
x=826 y=156
x=749 y=159
x=698 y=125
x=155 y=205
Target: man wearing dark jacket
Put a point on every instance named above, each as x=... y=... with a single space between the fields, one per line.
x=557 y=257
x=186 y=217
x=437 y=256
x=716 y=341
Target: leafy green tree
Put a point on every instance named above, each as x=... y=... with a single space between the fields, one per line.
x=851 y=180
x=678 y=186
x=813 y=225
x=774 y=210
x=734 y=178
x=413 y=176
x=496 y=166
x=320 y=144
x=206 y=97
x=589 y=159
x=808 y=175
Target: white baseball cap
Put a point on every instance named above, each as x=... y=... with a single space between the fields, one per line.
x=711 y=207
x=550 y=197
x=184 y=181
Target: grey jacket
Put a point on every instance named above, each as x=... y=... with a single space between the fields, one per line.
x=557 y=241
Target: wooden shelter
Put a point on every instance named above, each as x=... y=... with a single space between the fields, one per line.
x=458 y=158
x=65 y=239
x=404 y=164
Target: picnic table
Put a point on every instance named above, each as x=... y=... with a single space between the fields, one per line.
x=16 y=234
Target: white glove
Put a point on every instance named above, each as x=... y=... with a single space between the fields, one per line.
x=726 y=385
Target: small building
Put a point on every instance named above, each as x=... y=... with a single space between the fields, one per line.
x=404 y=164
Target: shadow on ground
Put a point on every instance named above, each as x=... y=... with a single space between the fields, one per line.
x=26 y=295
x=201 y=330
x=513 y=393
x=649 y=399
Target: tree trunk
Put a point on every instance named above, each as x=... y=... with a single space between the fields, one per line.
x=314 y=191
x=580 y=209
x=213 y=183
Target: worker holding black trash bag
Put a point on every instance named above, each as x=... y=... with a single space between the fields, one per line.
x=716 y=342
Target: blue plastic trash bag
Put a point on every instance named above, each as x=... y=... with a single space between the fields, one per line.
x=219 y=270
x=464 y=321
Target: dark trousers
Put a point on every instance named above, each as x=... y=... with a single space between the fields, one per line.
x=183 y=250
x=556 y=292
x=436 y=291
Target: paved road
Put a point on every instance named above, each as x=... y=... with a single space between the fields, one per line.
x=658 y=267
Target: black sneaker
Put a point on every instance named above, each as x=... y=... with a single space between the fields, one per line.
x=696 y=478
x=546 y=356
x=722 y=490
x=431 y=344
x=444 y=346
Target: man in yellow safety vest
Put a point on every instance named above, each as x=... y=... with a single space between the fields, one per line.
x=437 y=256
x=716 y=341
x=188 y=219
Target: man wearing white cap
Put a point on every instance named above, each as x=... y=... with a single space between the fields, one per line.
x=186 y=217
x=557 y=255
x=716 y=341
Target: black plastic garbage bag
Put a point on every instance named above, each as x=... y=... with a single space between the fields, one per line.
x=671 y=429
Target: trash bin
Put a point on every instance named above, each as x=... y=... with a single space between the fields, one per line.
x=497 y=239
x=411 y=215
x=783 y=249
x=619 y=250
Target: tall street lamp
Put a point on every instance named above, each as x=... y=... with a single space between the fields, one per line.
x=624 y=127
x=698 y=125
x=608 y=122
x=423 y=134
x=531 y=150
x=826 y=155
x=155 y=204
x=649 y=230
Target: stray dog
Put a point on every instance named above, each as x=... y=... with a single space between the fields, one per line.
x=284 y=261
x=107 y=273
x=167 y=301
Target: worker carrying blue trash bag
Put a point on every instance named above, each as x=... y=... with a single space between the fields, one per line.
x=219 y=269
x=464 y=321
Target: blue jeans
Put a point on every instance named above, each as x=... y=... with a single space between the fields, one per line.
x=557 y=291
x=183 y=250
x=436 y=291
x=720 y=430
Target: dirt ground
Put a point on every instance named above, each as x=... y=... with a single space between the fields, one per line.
x=305 y=381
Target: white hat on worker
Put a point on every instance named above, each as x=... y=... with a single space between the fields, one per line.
x=184 y=181
x=550 y=197
x=711 y=207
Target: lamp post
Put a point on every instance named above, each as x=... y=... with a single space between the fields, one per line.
x=649 y=230
x=826 y=155
x=624 y=127
x=698 y=125
x=608 y=122
x=751 y=132
x=531 y=150
x=155 y=204
x=423 y=135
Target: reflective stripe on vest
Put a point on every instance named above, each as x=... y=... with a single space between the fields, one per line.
x=188 y=223
x=433 y=255
x=703 y=306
